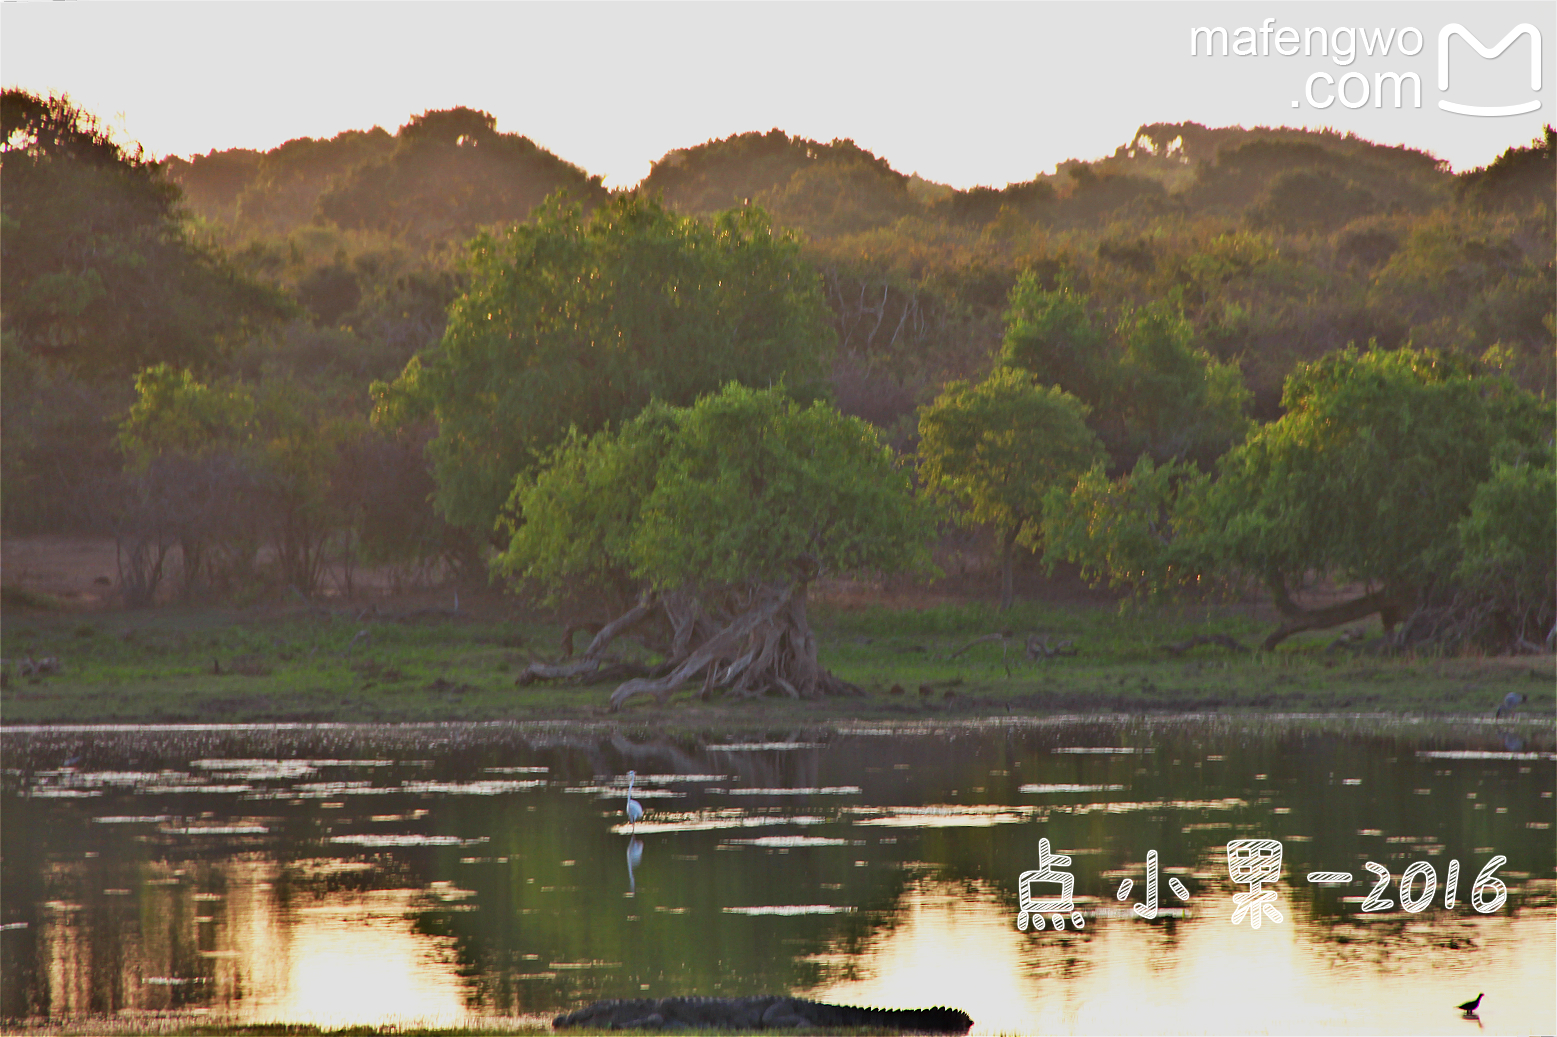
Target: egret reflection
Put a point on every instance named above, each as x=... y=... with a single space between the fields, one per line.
x=634 y=858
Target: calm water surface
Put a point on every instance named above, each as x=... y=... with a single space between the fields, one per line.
x=357 y=874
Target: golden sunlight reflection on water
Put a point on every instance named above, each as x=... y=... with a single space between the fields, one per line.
x=332 y=960
x=335 y=958
x=350 y=958
x=1204 y=975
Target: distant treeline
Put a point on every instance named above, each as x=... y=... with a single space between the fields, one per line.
x=238 y=305
x=1280 y=244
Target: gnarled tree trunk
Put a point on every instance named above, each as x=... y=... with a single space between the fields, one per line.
x=757 y=642
x=1388 y=602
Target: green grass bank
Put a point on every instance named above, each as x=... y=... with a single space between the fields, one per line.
x=310 y=664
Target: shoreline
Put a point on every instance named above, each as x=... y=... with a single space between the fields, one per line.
x=201 y=666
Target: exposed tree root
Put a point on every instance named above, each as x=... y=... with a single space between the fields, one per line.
x=754 y=642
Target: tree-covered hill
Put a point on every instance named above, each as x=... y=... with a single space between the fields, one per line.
x=442 y=176
x=450 y=174
x=277 y=190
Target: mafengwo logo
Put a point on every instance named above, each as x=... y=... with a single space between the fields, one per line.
x=1396 y=87
x=1449 y=32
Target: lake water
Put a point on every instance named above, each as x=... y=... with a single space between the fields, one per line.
x=447 y=874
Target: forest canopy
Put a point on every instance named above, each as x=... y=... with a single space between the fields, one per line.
x=1180 y=332
x=575 y=322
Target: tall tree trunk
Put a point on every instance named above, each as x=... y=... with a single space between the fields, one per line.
x=1007 y=566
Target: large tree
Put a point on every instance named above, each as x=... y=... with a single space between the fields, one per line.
x=993 y=451
x=1364 y=479
x=576 y=322
x=719 y=516
x=1387 y=473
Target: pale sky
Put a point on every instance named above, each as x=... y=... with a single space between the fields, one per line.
x=961 y=93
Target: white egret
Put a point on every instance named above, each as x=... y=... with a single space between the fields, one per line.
x=634 y=808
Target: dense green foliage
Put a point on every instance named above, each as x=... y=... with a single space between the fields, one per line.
x=715 y=519
x=1282 y=244
x=275 y=191
x=1155 y=388
x=575 y=321
x=442 y=176
x=992 y=451
x=572 y=520
x=757 y=487
x=1365 y=476
x=1380 y=473
x=106 y=274
x=1506 y=544
x=100 y=276
x=1276 y=240
x=1126 y=532
x=222 y=470
x=744 y=487
x=1520 y=178
x=175 y=412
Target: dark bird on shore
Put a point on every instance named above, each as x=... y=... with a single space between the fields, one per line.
x=1510 y=701
x=1470 y=1006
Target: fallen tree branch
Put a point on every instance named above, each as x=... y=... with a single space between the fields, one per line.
x=1203 y=639
x=1038 y=648
x=1387 y=602
x=1001 y=635
x=626 y=621
x=594 y=662
x=578 y=669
